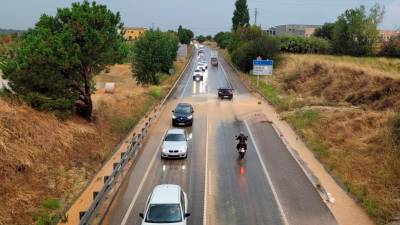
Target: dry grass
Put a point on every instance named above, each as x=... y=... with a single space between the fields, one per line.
x=43 y=158
x=354 y=145
x=342 y=106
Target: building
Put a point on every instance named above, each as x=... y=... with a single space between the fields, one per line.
x=131 y=33
x=387 y=34
x=293 y=29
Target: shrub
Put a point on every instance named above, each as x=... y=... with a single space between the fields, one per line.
x=266 y=47
x=223 y=39
x=298 y=44
x=156 y=92
x=51 y=203
x=391 y=48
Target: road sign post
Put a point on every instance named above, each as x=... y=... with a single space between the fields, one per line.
x=262 y=68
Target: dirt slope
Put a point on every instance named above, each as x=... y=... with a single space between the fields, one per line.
x=45 y=162
x=344 y=108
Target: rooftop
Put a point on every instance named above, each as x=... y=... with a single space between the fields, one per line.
x=166 y=194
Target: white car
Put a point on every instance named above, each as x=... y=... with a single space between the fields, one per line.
x=167 y=204
x=201 y=67
x=175 y=144
x=202 y=63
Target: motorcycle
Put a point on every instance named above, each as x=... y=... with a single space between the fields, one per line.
x=241 y=148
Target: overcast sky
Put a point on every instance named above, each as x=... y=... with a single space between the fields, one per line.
x=202 y=16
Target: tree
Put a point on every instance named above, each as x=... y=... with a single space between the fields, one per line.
x=244 y=34
x=153 y=52
x=185 y=35
x=355 y=32
x=201 y=38
x=57 y=59
x=266 y=47
x=240 y=15
x=223 y=39
x=326 y=31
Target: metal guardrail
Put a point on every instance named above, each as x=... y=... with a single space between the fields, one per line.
x=86 y=217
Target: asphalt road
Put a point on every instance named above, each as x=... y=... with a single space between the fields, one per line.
x=267 y=187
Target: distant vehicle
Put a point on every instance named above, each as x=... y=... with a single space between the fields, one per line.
x=167 y=204
x=201 y=66
x=198 y=75
x=182 y=115
x=175 y=144
x=203 y=63
x=201 y=51
x=225 y=93
x=214 y=61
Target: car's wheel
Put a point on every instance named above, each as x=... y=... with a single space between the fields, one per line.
x=185 y=157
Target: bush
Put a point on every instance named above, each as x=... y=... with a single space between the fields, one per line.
x=391 y=48
x=298 y=44
x=223 y=39
x=156 y=92
x=266 y=47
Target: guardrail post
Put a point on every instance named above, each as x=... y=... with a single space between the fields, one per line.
x=81 y=214
x=95 y=193
x=115 y=165
x=106 y=178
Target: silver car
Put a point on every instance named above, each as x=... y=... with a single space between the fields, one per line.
x=175 y=144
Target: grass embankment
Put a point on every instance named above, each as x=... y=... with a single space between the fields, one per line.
x=46 y=162
x=346 y=109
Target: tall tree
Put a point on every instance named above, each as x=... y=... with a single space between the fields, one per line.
x=153 y=52
x=240 y=15
x=58 y=58
x=185 y=35
x=356 y=33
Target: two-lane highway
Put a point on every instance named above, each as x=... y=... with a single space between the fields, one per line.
x=267 y=187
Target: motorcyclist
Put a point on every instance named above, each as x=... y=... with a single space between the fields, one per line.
x=242 y=141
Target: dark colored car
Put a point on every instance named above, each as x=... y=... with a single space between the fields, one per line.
x=214 y=61
x=225 y=93
x=182 y=115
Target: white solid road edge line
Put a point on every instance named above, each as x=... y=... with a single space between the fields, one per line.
x=323 y=191
x=206 y=180
x=226 y=76
x=128 y=212
x=285 y=221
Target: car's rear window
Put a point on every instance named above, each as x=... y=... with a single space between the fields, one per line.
x=164 y=213
x=175 y=137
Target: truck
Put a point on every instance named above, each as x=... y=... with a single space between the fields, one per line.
x=214 y=59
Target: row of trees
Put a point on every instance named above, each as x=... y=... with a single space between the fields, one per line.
x=355 y=32
x=53 y=65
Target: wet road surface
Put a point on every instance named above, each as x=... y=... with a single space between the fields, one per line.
x=267 y=187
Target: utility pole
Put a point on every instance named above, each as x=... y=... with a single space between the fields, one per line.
x=255 y=16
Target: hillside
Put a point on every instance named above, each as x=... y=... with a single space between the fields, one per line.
x=46 y=162
x=346 y=109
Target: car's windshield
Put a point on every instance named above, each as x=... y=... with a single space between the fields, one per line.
x=175 y=137
x=164 y=213
x=197 y=70
x=182 y=109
